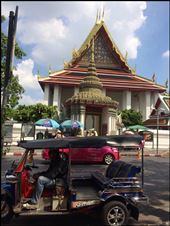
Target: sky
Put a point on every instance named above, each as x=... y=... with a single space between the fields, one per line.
x=47 y=31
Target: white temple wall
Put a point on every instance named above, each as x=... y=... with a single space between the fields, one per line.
x=117 y=96
x=76 y=90
x=46 y=94
x=126 y=100
x=51 y=95
x=104 y=115
x=135 y=101
x=56 y=96
x=66 y=92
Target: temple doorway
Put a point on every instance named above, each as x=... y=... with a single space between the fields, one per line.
x=93 y=121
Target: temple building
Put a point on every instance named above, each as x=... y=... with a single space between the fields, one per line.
x=107 y=78
x=160 y=114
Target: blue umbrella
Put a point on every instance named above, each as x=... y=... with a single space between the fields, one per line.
x=47 y=123
x=71 y=124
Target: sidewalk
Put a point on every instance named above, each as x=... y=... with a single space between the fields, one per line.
x=162 y=152
x=149 y=152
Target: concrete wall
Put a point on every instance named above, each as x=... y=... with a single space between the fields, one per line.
x=163 y=141
x=16 y=133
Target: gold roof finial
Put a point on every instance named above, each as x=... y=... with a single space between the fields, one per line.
x=38 y=72
x=166 y=83
x=102 y=19
x=65 y=64
x=134 y=70
x=74 y=53
x=97 y=17
x=49 y=69
x=154 y=77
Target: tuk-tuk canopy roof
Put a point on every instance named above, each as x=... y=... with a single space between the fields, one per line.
x=84 y=142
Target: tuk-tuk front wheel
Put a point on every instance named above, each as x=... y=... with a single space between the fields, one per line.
x=115 y=213
x=6 y=210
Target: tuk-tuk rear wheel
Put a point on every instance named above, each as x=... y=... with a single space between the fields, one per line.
x=6 y=210
x=115 y=213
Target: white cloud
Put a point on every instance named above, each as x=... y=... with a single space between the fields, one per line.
x=28 y=100
x=25 y=75
x=29 y=82
x=55 y=28
x=166 y=54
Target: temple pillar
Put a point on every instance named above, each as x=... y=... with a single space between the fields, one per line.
x=76 y=90
x=126 y=100
x=72 y=112
x=46 y=94
x=82 y=114
x=111 y=121
x=104 y=91
x=147 y=106
x=56 y=98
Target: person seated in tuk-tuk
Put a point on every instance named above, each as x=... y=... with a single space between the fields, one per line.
x=57 y=169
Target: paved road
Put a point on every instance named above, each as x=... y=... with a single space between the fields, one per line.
x=156 y=187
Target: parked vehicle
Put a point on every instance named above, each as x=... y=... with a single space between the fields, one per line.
x=114 y=195
x=105 y=154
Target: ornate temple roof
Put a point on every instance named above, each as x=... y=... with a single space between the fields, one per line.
x=105 y=55
x=91 y=89
x=111 y=67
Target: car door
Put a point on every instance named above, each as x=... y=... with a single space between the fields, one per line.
x=77 y=154
x=92 y=154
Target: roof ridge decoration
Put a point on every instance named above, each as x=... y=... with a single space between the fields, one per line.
x=150 y=81
x=86 y=44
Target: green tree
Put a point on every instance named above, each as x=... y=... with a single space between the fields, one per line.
x=32 y=113
x=131 y=117
x=14 y=89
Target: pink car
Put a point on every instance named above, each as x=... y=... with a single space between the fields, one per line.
x=105 y=154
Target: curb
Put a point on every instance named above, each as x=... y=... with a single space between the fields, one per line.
x=19 y=154
x=145 y=155
x=123 y=155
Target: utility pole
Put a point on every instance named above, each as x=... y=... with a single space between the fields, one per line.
x=8 y=67
x=157 y=136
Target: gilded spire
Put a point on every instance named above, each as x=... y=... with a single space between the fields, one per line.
x=92 y=67
x=92 y=51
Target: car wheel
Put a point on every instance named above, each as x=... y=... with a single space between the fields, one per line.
x=108 y=158
x=115 y=213
x=6 y=210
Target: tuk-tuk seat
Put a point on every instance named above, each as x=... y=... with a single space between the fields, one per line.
x=115 y=170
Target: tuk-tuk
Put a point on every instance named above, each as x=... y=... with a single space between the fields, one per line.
x=114 y=195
